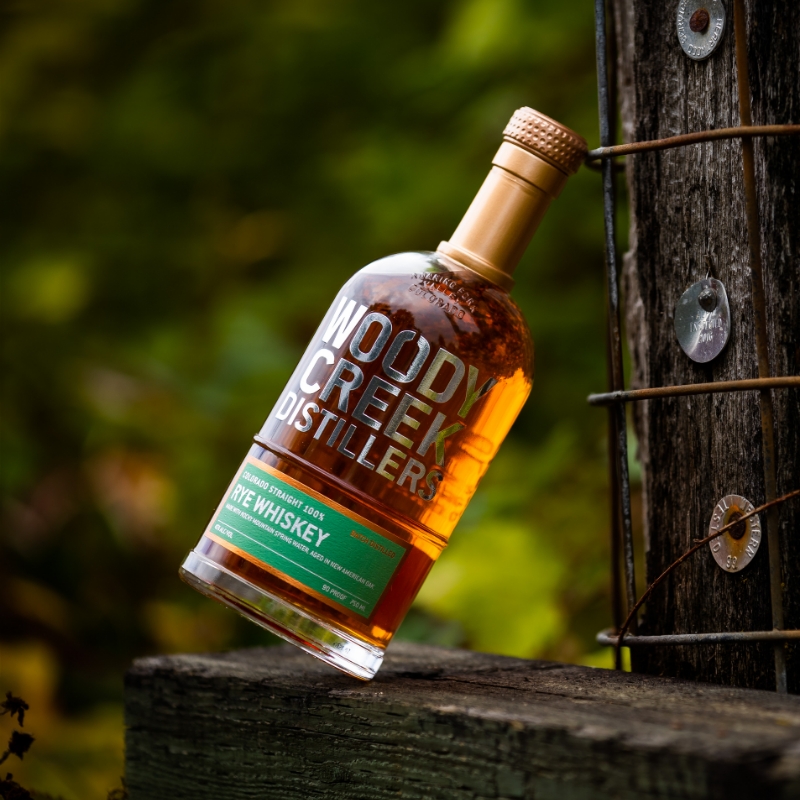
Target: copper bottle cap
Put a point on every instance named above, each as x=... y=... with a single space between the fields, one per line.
x=529 y=170
x=548 y=139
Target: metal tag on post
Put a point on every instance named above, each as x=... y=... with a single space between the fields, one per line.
x=703 y=320
x=734 y=549
x=700 y=25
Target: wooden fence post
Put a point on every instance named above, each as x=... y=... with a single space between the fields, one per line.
x=688 y=215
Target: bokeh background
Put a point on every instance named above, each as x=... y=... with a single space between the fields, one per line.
x=184 y=186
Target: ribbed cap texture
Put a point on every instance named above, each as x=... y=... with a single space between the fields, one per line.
x=547 y=138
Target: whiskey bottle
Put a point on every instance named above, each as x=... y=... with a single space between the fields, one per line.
x=355 y=482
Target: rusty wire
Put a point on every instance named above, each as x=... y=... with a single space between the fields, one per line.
x=683 y=139
x=678 y=561
x=682 y=390
x=608 y=637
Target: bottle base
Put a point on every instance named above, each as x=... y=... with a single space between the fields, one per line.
x=335 y=647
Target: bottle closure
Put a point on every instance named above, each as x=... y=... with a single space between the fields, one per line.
x=530 y=169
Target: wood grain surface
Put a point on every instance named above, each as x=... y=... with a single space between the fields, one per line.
x=446 y=724
x=687 y=206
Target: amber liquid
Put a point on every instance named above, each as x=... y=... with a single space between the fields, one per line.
x=455 y=309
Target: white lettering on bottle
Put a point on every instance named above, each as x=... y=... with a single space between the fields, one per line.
x=342 y=324
x=388 y=461
x=327 y=416
x=440 y=359
x=414 y=470
x=362 y=456
x=380 y=342
x=286 y=406
x=296 y=409
x=423 y=351
x=308 y=420
x=370 y=400
x=437 y=435
x=400 y=417
x=474 y=394
x=345 y=386
x=305 y=386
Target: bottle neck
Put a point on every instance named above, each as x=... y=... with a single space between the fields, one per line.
x=504 y=215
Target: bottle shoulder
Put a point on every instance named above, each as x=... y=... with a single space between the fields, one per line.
x=449 y=304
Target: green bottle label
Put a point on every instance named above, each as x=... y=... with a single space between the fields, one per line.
x=317 y=544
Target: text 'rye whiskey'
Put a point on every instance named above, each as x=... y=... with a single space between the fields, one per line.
x=371 y=454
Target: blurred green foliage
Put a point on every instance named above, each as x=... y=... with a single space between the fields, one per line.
x=185 y=185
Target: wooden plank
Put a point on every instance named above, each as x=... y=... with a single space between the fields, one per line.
x=446 y=724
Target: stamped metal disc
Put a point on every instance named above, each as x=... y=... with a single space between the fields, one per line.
x=734 y=549
x=701 y=24
x=703 y=320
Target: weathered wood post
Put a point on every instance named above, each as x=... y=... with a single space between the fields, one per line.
x=688 y=210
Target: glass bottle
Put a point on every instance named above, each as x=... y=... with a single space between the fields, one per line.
x=355 y=482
